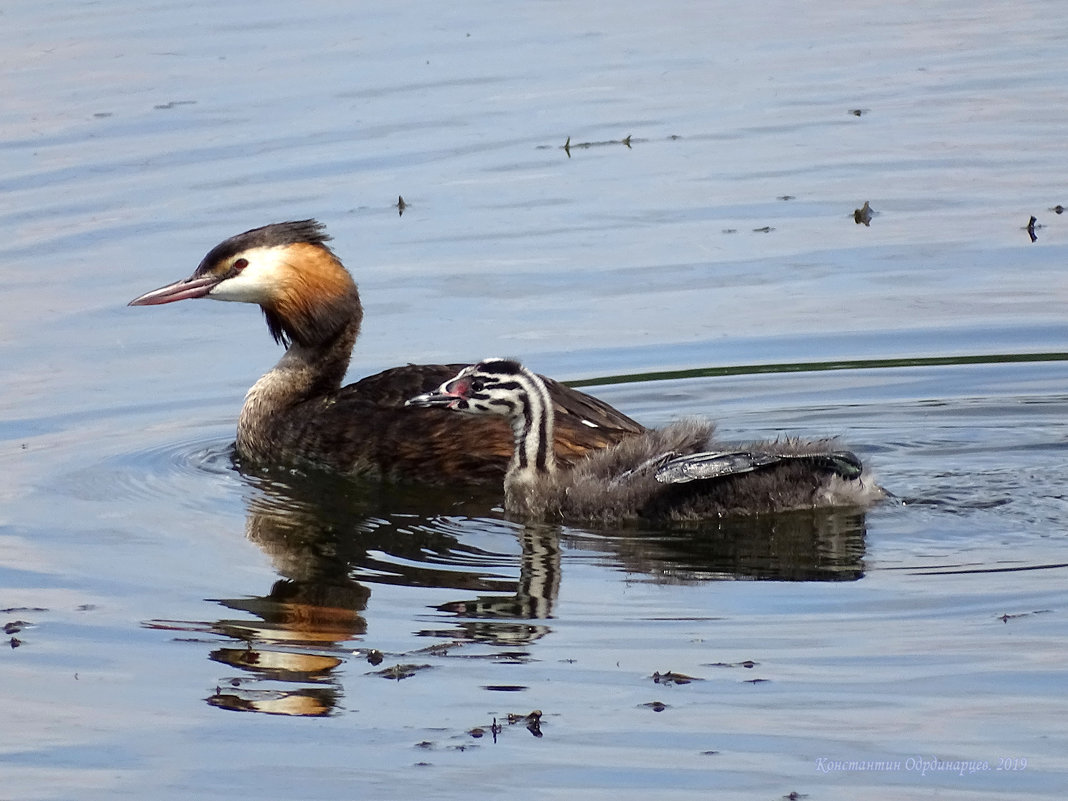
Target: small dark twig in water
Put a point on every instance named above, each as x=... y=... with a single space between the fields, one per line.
x=1030 y=228
x=1005 y=618
x=626 y=141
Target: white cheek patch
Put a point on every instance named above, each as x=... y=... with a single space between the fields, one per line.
x=258 y=282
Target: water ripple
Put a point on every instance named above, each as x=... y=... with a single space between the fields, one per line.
x=169 y=470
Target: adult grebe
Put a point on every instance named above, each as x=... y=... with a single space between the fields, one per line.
x=675 y=473
x=299 y=412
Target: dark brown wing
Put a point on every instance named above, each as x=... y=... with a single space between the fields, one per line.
x=365 y=428
x=591 y=411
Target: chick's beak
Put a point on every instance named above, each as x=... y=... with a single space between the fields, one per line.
x=427 y=399
x=196 y=286
x=448 y=395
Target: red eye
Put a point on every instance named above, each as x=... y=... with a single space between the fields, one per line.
x=240 y=265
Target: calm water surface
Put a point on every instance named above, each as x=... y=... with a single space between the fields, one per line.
x=177 y=628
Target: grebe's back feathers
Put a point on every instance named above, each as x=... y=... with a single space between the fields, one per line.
x=365 y=428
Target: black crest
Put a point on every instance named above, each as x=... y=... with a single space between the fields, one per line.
x=274 y=235
x=501 y=367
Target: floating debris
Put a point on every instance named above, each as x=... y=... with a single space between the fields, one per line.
x=857 y=112
x=863 y=214
x=399 y=672
x=174 y=104
x=767 y=229
x=626 y=141
x=1007 y=617
x=533 y=716
x=1032 y=224
x=748 y=663
x=673 y=678
x=787 y=197
x=532 y=721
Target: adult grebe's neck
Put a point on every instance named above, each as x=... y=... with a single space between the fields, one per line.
x=313 y=366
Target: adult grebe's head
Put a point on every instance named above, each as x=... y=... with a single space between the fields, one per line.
x=287 y=269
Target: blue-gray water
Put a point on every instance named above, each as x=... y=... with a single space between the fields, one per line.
x=186 y=631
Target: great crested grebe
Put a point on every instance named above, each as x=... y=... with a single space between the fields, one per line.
x=299 y=412
x=677 y=472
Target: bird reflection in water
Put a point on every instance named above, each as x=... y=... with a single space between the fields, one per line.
x=332 y=539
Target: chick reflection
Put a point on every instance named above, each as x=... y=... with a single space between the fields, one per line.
x=505 y=620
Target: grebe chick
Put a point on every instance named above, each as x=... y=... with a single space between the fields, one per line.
x=299 y=412
x=674 y=473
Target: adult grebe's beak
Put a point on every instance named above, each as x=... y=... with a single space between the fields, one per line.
x=196 y=286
